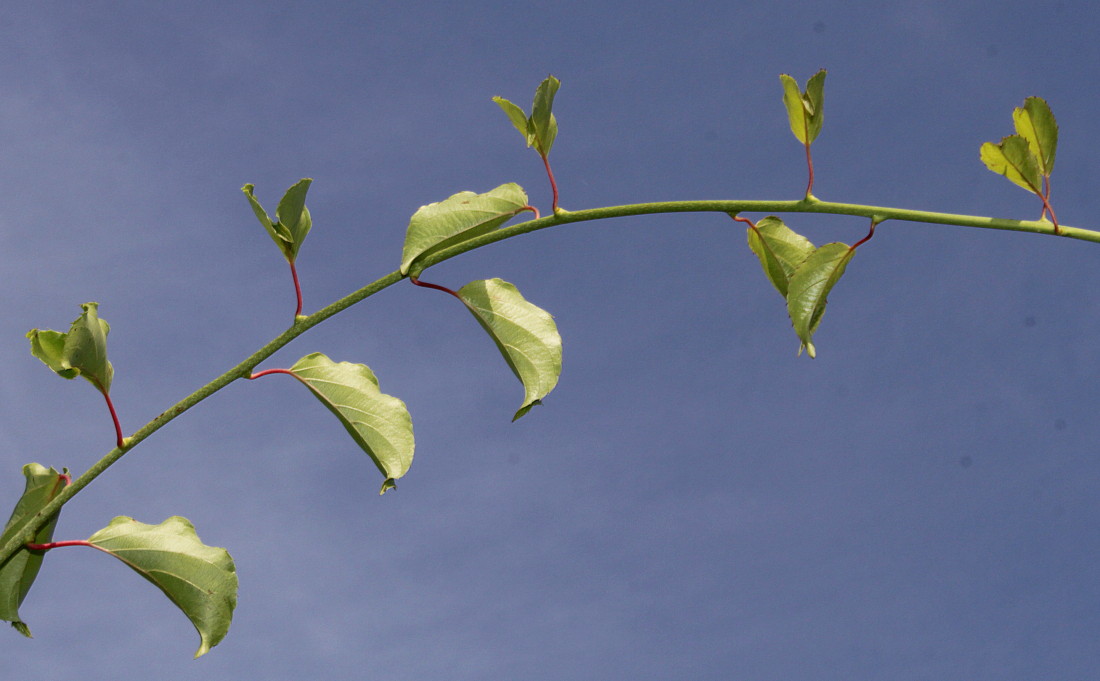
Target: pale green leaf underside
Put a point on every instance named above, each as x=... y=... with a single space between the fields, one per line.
x=201 y=580
x=464 y=216
x=18 y=574
x=809 y=290
x=525 y=334
x=1013 y=159
x=80 y=352
x=378 y=423
x=1035 y=123
x=779 y=249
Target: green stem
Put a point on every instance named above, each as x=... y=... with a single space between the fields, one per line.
x=304 y=323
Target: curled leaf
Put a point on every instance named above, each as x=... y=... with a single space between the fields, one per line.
x=1013 y=159
x=804 y=108
x=809 y=290
x=292 y=219
x=780 y=250
x=80 y=352
x=463 y=216
x=201 y=580
x=378 y=423
x=524 y=333
x=18 y=573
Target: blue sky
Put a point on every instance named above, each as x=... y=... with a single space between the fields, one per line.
x=694 y=500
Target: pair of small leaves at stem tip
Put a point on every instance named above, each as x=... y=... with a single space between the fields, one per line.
x=540 y=129
x=292 y=219
x=802 y=273
x=1027 y=158
x=805 y=107
x=82 y=351
x=201 y=580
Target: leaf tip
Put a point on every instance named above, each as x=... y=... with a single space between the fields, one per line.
x=524 y=409
x=387 y=486
x=22 y=628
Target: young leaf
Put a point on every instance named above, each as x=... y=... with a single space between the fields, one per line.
x=524 y=333
x=80 y=352
x=809 y=290
x=292 y=220
x=1013 y=159
x=780 y=250
x=1035 y=123
x=378 y=423
x=542 y=118
x=465 y=215
x=540 y=128
x=201 y=580
x=518 y=117
x=17 y=575
x=804 y=108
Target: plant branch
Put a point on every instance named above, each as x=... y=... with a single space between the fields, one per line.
x=562 y=217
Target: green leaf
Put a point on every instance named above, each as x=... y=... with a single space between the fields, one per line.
x=780 y=250
x=518 y=117
x=17 y=575
x=1013 y=159
x=1035 y=123
x=80 y=352
x=378 y=423
x=464 y=216
x=293 y=214
x=542 y=118
x=524 y=333
x=804 y=108
x=292 y=220
x=809 y=290
x=201 y=580
x=540 y=129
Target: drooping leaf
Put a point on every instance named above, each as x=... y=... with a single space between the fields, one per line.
x=378 y=423
x=201 y=580
x=780 y=250
x=518 y=117
x=18 y=574
x=542 y=118
x=524 y=333
x=80 y=352
x=1035 y=123
x=292 y=219
x=464 y=216
x=804 y=108
x=809 y=289
x=1013 y=159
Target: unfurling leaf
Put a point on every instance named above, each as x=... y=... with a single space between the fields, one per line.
x=1013 y=159
x=1035 y=123
x=780 y=250
x=80 y=352
x=378 y=423
x=540 y=129
x=809 y=289
x=17 y=575
x=201 y=580
x=464 y=216
x=524 y=333
x=292 y=220
x=804 y=108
